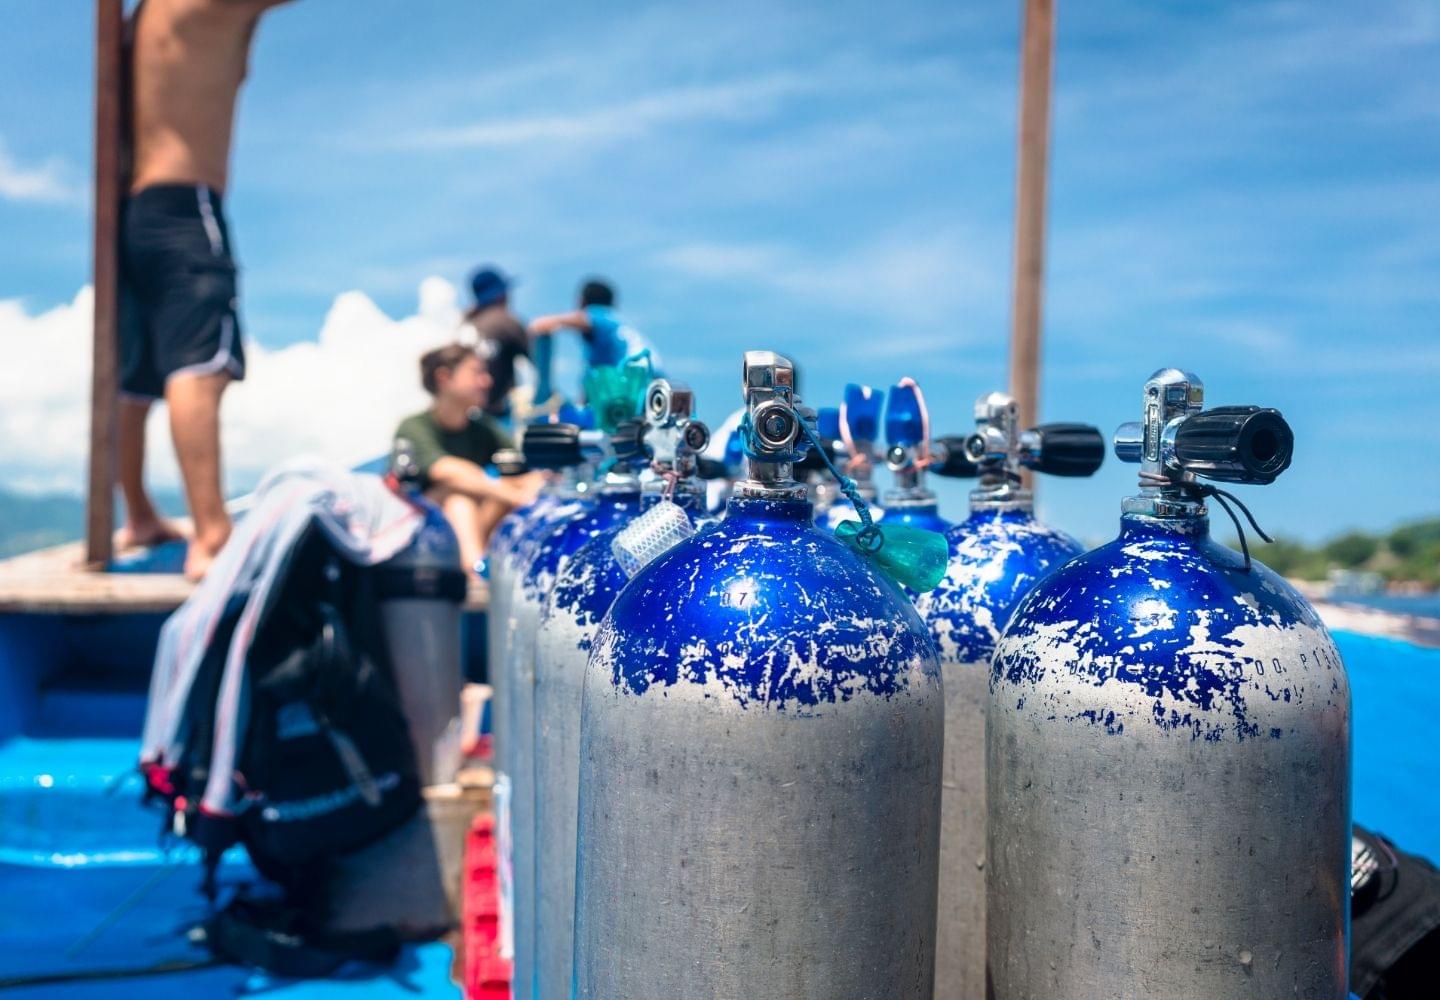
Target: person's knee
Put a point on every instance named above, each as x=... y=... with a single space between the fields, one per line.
x=460 y=505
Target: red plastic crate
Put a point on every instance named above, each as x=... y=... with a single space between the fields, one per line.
x=487 y=975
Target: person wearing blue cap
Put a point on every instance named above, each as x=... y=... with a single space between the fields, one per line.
x=501 y=339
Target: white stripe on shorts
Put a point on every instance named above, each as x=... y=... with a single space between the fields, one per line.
x=207 y=216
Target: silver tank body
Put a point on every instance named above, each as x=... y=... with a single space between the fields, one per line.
x=759 y=776
x=423 y=634
x=996 y=555
x=504 y=551
x=585 y=582
x=497 y=613
x=525 y=603
x=557 y=721
x=1168 y=755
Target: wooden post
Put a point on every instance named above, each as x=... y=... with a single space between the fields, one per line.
x=100 y=500
x=1037 y=54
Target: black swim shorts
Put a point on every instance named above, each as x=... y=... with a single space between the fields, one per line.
x=178 y=300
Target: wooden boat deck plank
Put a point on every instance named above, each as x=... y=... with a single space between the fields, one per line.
x=55 y=581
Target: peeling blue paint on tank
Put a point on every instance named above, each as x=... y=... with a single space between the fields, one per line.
x=767 y=610
x=1173 y=615
x=568 y=534
x=538 y=525
x=512 y=526
x=588 y=597
x=996 y=557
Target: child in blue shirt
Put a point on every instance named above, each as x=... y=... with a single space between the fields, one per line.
x=608 y=340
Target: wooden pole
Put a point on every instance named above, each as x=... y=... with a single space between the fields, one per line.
x=100 y=499
x=1037 y=55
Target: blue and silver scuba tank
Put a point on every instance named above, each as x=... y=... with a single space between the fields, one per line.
x=907 y=437
x=759 y=758
x=996 y=555
x=1169 y=748
x=497 y=572
x=421 y=590
x=667 y=441
x=858 y=430
x=508 y=547
x=501 y=563
x=576 y=452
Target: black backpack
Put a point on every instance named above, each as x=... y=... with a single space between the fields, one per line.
x=326 y=765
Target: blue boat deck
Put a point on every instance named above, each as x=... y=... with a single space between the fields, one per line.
x=86 y=887
x=87 y=891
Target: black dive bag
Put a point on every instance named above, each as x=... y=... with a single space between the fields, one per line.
x=325 y=763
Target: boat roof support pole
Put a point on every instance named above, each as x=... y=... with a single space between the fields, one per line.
x=100 y=497
x=1036 y=60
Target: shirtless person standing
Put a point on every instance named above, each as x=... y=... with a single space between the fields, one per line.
x=180 y=331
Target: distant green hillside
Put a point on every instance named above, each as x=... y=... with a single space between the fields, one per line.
x=31 y=521
x=1409 y=554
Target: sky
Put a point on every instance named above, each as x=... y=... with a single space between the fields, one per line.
x=1248 y=190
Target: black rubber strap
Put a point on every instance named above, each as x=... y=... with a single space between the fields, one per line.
x=399 y=582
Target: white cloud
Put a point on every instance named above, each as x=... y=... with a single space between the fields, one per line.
x=45 y=183
x=739 y=100
x=931 y=280
x=339 y=395
x=44 y=389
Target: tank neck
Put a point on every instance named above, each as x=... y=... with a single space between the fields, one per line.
x=1164 y=502
x=910 y=505
x=800 y=509
x=999 y=490
x=909 y=497
x=1020 y=501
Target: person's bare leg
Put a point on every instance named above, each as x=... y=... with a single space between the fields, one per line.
x=463 y=513
x=487 y=517
x=194 y=403
x=143 y=524
x=472 y=522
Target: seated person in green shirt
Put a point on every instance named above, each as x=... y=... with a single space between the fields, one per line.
x=453 y=441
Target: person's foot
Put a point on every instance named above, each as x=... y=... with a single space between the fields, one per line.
x=145 y=534
x=201 y=554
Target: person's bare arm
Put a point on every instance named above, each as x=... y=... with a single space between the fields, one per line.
x=461 y=475
x=544 y=326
